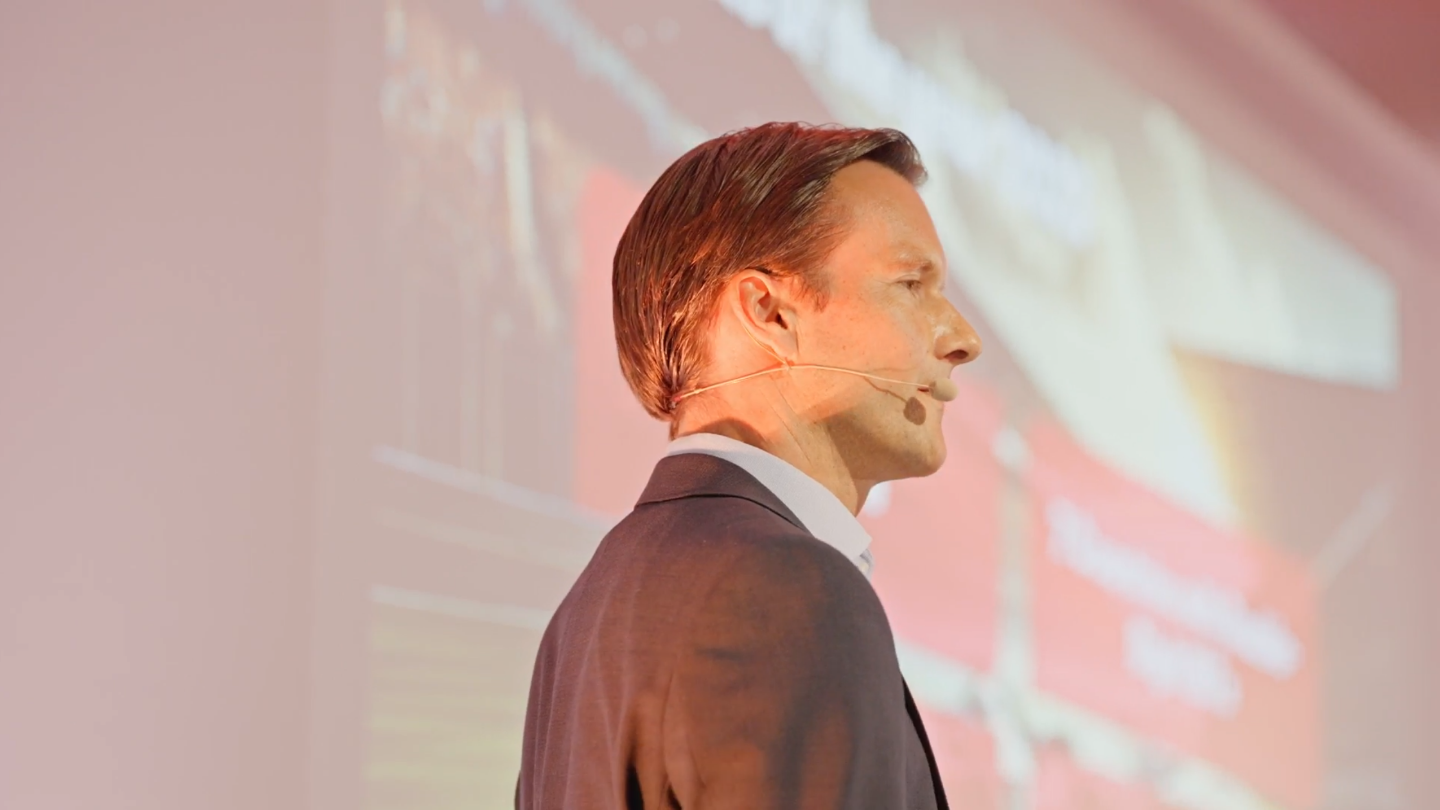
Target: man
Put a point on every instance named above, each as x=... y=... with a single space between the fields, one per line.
x=779 y=299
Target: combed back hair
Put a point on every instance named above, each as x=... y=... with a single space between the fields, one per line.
x=752 y=199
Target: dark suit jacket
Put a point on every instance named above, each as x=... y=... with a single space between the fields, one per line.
x=715 y=654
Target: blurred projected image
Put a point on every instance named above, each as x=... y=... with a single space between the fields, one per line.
x=1109 y=597
x=447 y=689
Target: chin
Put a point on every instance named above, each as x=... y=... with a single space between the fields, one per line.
x=920 y=459
x=934 y=459
x=895 y=451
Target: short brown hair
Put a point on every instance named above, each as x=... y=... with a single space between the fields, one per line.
x=754 y=198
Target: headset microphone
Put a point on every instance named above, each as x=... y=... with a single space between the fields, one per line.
x=942 y=389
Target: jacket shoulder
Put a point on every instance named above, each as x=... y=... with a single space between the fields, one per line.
x=741 y=535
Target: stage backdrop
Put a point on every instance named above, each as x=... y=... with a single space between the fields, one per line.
x=1184 y=428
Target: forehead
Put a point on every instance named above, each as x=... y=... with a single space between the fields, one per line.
x=884 y=215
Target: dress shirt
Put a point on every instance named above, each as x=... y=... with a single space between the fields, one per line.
x=817 y=507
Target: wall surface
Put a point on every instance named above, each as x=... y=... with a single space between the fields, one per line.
x=160 y=281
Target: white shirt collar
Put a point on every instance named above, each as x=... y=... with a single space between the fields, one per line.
x=817 y=507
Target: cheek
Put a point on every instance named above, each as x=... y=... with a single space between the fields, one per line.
x=904 y=333
x=889 y=333
x=839 y=330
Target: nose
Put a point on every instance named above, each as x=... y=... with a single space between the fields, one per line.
x=959 y=343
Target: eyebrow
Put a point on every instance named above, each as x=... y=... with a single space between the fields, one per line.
x=914 y=261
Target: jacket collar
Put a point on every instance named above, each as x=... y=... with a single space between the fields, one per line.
x=697 y=475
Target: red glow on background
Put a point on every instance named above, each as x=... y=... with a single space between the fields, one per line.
x=1273 y=735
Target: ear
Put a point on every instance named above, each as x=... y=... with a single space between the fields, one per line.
x=766 y=310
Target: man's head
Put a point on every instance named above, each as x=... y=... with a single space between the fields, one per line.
x=799 y=244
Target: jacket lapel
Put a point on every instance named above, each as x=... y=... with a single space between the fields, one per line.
x=914 y=712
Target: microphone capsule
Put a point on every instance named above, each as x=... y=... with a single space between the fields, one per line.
x=944 y=389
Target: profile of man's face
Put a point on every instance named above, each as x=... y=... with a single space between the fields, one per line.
x=885 y=313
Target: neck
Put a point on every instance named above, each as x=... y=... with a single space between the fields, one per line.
x=806 y=447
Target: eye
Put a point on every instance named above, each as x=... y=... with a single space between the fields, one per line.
x=913 y=284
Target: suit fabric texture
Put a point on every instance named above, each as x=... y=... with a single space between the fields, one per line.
x=715 y=654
